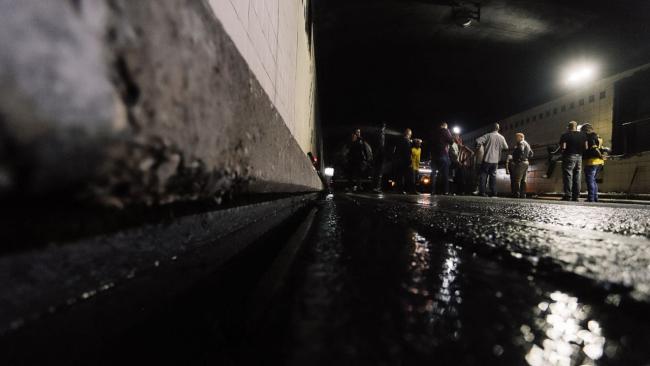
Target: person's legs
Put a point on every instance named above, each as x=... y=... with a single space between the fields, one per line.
x=577 y=177
x=414 y=179
x=567 y=176
x=598 y=169
x=443 y=164
x=378 y=172
x=410 y=180
x=590 y=180
x=493 y=179
x=551 y=167
x=404 y=178
x=434 y=176
x=351 y=173
x=522 y=178
x=483 y=179
x=452 y=179
x=460 y=180
x=464 y=176
x=357 y=172
x=513 y=180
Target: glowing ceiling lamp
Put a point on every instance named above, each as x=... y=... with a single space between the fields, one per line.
x=580 y=74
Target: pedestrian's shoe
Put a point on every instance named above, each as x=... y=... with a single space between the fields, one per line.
x=575 y=199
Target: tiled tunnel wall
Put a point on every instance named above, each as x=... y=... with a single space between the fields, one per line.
x=273 y=36
x=131 y=102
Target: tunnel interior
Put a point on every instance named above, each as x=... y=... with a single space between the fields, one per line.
x=410 y=64
x=173 y=183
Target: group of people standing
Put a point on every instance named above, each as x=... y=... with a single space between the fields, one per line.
x=580 y=149
x=478 y=166
x=448 y=155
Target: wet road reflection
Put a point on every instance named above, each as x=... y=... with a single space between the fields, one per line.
x=374 y=288
x=575 y=237
x=570 y=338
x=432 y=294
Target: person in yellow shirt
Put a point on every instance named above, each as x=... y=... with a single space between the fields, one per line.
x=416 y=153
x=592 y=160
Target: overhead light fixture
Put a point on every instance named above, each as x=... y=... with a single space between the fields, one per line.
x=456 y=130
x=580 y=74
x=466 y=12
x=465 y=23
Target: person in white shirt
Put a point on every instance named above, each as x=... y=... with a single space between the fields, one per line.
x=493 y=143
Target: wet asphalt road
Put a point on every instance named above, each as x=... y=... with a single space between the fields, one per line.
x=409 y=280
x=385 y=280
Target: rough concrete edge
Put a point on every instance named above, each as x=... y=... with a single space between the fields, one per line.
x=156 y=170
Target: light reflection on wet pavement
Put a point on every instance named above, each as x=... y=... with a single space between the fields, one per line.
x=420 y=280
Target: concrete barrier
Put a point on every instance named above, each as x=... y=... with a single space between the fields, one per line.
x=126 y=102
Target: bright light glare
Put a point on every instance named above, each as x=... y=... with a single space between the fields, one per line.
x=329 y=172
x=456 y=130
x=424 y=171
x=580 y=74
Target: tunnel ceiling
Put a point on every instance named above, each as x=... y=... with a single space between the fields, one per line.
x=409 y=63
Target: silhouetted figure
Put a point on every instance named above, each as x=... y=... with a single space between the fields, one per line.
x=461 y=164
x=402 y=162
x=573 y=144
x=440 y=161
x=359 y=157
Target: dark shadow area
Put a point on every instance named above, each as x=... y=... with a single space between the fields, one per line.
x=56 y=219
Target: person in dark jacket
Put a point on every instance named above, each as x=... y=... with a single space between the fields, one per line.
x=440 y=161
x=573 y=144
x=359 y=157
x=402 y=162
